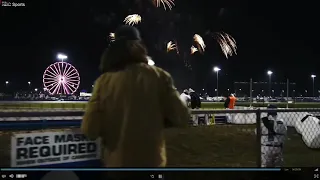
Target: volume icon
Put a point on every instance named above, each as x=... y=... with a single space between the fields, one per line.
x=316 y=170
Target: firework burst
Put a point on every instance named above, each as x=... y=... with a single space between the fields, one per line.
x=227 y=43
x=171 y=46
x=200 y=43
x=165 y=3
x=132 y=19
x=193 y=49
x=112 y=36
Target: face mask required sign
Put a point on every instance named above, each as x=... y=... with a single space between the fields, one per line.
x=46 y=148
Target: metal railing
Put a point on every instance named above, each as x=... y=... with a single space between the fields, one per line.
x=241 y=130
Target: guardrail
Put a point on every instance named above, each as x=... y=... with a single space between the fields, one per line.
x=43 y=119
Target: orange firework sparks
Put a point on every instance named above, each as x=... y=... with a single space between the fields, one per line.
x=165 y=3
x=200 y=43
x=132 y=19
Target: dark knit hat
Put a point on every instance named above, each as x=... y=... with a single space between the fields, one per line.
x=127 y=33
x=272 y=107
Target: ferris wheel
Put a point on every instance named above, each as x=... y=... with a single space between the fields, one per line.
x=61 y=78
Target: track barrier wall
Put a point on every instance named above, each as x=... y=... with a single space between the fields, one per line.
x=249 y=139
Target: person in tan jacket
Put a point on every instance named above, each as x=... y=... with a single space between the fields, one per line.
x=131 y=105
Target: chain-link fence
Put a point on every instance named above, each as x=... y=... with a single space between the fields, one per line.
x=263 y=137
x=215 y=138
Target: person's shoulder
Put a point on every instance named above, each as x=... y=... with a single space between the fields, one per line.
x=161 y=72
x=101 y=79
x=97 y=82
x=153 y=69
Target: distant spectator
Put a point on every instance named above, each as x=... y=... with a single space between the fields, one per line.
x=185 y=97
x=195 y=99
x=226 y=102
x=230 y=102
x=131 y=104
x=195 y=103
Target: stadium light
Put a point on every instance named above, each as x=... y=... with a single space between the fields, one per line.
x=29 y=82
x=7 y=82
x=313 y=76
x=269 y=74
x=216 y=69
x=62 y=57
x=36 y=89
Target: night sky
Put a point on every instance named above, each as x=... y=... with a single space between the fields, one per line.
x=283 y=40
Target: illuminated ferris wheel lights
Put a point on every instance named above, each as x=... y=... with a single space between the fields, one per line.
x=61 y=78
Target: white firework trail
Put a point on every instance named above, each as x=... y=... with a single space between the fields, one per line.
x=171 y=46
x=193 y=49
x=198 y=39
x=132 y=19
x=227 y=43
x=165 y=3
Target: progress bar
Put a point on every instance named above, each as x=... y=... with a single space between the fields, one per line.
x=140 y=169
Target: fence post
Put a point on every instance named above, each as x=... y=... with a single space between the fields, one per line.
x=251 y=98
x=258 y=136
x=206 y=119
x=288 y=93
